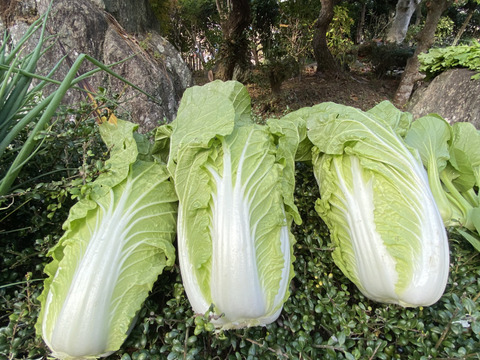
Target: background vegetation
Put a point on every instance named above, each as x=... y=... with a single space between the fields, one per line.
x=274 y=40
x=194 y=26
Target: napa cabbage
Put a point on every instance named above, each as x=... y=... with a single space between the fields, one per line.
x=235 y=182
x=387 y=231
x=451 y=155
x=117 y=241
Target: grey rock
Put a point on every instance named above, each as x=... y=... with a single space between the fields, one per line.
x=86 y=26
x=135 y=16
x=452 y=94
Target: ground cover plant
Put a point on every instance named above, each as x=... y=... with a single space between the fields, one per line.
x=438 y=60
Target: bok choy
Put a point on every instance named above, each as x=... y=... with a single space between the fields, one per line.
x=387 y=231
x=235 y=181
x=117 y=241
x=451 y=155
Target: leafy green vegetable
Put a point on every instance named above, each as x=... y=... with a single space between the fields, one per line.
x=116 y=243
x=451 y=155
x=399 y=121
x=388 y=233
x=430 y=135
x=235 y=183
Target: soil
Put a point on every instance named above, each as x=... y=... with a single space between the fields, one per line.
x=362 y=90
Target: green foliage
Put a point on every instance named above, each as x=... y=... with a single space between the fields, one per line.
x=55 y=175
x=412 y=33
x=19 y=105
x=444 y=31
x=194 y=27
x=387 y=58
x=22 y=103
x=17 y=333
x=306 y=10
x=462 y=10
x=297 y=19
x=70 y=158
x=277 y=70
x=452 y=158
x=377 y=19
x=438 y=60
x=339 y=33
x=161 y=10
x=279 y=44
x=265 y=16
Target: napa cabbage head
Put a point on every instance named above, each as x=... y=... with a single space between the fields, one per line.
x=387 y=231
x=117 y=241
x=235 y=182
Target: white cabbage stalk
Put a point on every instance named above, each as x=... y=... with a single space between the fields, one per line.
x=235 y=185
x=375 y=198
x=378 y=262
x=117 y=242
x=236 y=286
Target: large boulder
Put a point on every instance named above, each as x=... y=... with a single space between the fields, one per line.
x=452 y=94
x=110 y=31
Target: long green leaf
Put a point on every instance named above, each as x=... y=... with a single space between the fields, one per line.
x=472 y=239
x=69 y=81
x=17 y=96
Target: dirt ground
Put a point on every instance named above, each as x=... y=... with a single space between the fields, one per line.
x=361 y=90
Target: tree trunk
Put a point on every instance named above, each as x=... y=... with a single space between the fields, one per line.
x=418 y=14
x=361 y=24
x=325 y=61
x=234 y=20
x=426 y=38
x=471 y=10
x=403 y=13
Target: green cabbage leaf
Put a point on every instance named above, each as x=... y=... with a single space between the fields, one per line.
x=430 y=135
x=117 y=241
x=451 y=155
x=387 y=231
x=235 y=182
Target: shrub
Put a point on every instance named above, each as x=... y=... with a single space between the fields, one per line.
x=387 y=59
x=339 y=34
x=326 y=316
x=279 y=70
